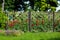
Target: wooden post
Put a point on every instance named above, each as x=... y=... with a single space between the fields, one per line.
x=29 y=22
x=53 y=20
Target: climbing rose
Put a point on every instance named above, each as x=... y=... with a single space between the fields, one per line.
x=37 y=22
x=42 y=21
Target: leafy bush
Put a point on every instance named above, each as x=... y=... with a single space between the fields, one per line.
x=3 y=19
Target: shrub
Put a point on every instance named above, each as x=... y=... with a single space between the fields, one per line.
x=3 y=19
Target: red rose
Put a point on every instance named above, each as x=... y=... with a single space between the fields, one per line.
x=58 y=21
x=42 y=21
x=27 y=20
x=32 y=25
x=37 y=22
x=55 y=24
x=15 y=21
x=11 y=24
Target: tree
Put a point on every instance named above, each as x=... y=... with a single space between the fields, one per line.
x=1 y=1
x=9 y=5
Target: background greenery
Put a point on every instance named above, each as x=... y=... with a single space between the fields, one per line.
x=35 y=4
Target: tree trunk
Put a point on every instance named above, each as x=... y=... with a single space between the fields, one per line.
x=3 y=6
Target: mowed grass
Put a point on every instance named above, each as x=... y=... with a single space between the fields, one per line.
x=34 y=36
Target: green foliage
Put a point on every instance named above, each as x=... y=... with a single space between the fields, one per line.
x=3 y=19
x=53 y=8
x=54 y=1
x=9 y=5
x=1 y=1
x=43 y=5
x=35 y=4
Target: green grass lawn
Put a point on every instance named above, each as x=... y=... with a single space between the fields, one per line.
x=34 y=36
